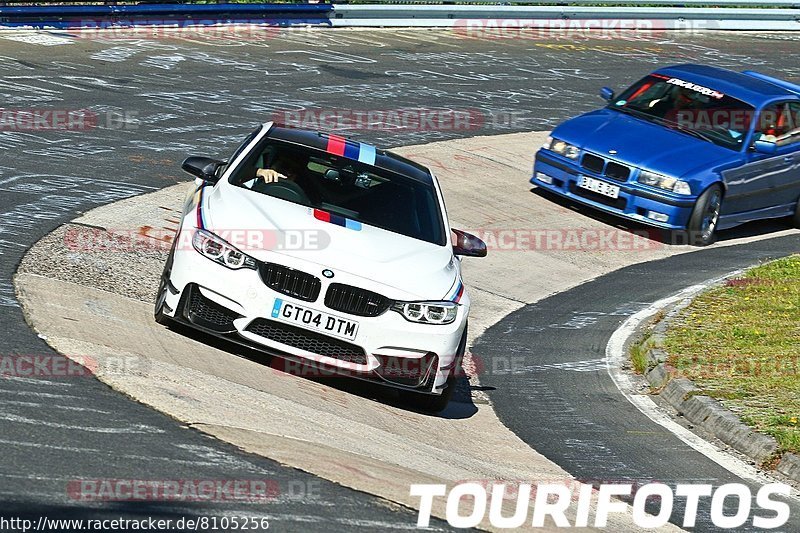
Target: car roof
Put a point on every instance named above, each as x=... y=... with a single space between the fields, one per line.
x=382 y=159
x=752 y=88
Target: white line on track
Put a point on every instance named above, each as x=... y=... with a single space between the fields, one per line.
x=616 y=355
x=135 y=428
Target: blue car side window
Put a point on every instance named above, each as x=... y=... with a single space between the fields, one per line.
x=780 y=124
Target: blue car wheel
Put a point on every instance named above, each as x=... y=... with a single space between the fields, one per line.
x=705 y=216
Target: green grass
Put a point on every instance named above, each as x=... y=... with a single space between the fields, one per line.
x=740 y=343
x=639 y=358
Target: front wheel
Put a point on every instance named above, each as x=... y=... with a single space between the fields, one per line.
x=796 y=217
x=163 y=288
x=705 y=217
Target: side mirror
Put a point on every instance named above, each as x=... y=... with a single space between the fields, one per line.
x=468 y=245
x=607 y=94
x=204 y=168
x=765 y=147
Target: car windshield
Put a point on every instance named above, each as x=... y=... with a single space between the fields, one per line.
x=702 y=112
x=343 y=187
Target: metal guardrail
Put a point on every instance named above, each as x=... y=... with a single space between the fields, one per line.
x=162 y=8
x=601 y=3
x=155 y=14
x=500 y=17
x=780 y=15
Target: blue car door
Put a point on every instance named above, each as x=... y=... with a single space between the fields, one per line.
x=767 y=185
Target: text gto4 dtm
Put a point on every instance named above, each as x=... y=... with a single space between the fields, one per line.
x=376 y=293
x=689 y=147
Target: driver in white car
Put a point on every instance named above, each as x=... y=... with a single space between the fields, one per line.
x=283 y=168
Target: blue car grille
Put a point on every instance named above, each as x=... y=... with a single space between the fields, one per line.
x=603 y=167
x=593 y=163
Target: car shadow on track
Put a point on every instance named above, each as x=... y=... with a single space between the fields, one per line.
x=461 y=405
x=658 y=237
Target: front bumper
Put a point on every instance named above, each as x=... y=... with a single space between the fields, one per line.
x=237 y=305
x=634 y=202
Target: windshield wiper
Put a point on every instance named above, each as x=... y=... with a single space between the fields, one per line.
x=683 y=129
x=689 y=131
x=664 y=122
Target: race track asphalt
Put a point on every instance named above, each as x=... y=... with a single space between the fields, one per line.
x=183 y=96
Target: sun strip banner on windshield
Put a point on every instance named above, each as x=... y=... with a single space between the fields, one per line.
x=363 y=153
x=696 y=88
x=324 y=216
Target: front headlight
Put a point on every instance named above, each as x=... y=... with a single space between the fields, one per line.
x=427 y=312
x=220 y=251
x=664 y=182
x=561 y=148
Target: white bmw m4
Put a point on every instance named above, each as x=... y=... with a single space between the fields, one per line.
x=327 y=253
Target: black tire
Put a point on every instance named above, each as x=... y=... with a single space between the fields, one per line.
x=701 y=229
x=796 y=217
x=163 y=289
x=430 y=403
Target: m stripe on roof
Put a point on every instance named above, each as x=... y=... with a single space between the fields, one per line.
x=363 y=153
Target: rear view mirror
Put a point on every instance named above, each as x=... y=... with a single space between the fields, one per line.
x=204 y=168
x=607 y=94
x=468 y=245
x=332 y=174
x=765 y=147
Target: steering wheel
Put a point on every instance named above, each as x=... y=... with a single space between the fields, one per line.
x=285 y=190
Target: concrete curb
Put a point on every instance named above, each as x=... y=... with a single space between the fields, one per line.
x=701 y=410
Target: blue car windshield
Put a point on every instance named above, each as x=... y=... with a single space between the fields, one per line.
x=693 y=109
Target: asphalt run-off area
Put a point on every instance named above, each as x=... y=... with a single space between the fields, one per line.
x=339 y=455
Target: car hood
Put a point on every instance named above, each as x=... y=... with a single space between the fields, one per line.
x=268 y=228
x=640 y=143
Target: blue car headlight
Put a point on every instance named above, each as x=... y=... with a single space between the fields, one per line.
x=220 y=251
x=561 y=148
x=664 y=182
x=427 y=312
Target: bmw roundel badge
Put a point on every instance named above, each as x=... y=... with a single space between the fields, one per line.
x=327 y=273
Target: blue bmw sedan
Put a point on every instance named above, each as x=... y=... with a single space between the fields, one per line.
x=689 y=148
